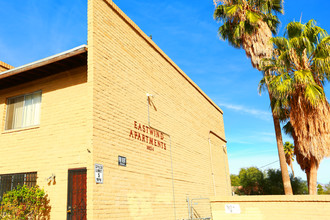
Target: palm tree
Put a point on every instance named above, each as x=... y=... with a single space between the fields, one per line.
x=249 y=24
x=289 y=156
x=301 y=65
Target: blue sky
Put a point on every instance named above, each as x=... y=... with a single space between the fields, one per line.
x=187 y=33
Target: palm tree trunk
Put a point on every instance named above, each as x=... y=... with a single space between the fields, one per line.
x=291 y=165
x=308 y=176
x=281 y=154
x=278 y=133
x=312 y=187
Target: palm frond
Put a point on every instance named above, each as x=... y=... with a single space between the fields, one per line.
x=253 y=17
x=277 y=6
x=232 y=10
x=219 y=13
x=321 y=61
x=294 y=29
x=250 y=12
x=323 y=48
x=262 y=86
x=321 y=67
x=280 y=108
x=281 y=86
x=311 y=23
x=226 y=32
x=325 y=41
x=280 y=43
x=270 y=6
x=303 y=77
x=225 y=13
x=288 y=129
x=267 y=64
x=283 y=61
x=300 y=44
x=314 y=94
x=315 y=34
x=239 y=30
x=272 y=22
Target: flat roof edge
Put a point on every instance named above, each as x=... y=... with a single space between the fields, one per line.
x=154 y=45
x=6 y=65
x=51 y=59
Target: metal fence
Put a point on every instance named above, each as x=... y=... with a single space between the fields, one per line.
x=199 y=209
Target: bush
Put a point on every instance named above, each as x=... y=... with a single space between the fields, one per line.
x=25 y=203
x=252 y=181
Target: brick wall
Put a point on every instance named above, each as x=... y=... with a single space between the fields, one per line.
x=61 y=140
x=124 y=65
x=273 y=207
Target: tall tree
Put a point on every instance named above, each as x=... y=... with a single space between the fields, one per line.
x=234 y=180
x=251 y=180
x=301 y=65
x=289 y=155
x=249 y=24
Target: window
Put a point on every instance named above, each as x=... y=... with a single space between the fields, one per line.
x=23 y=111
x=11 y=181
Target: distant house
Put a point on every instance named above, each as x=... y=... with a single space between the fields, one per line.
x=112 y=130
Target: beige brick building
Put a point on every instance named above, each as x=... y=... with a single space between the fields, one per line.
x=121 y=103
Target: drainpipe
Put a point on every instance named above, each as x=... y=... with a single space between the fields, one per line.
x=148 y=103
x=224 y=148
x=211 y=158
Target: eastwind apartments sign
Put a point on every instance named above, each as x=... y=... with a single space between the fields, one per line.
x=148 y=135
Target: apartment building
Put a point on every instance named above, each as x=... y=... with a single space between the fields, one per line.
x=113 y=129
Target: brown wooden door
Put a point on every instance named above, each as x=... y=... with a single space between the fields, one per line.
x=76 y=209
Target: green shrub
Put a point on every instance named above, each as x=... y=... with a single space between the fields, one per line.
x=25 y=203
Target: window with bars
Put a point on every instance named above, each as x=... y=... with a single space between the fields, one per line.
x=23 y=111
x=11 y=181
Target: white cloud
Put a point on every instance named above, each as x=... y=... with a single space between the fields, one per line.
x=264 y=115
x=252 y=138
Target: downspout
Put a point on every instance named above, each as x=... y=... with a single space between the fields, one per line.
x=211 y=158
x=224 y=161
x=148 y=103
x=224 y=148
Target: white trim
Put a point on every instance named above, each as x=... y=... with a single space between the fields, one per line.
x=45 y=59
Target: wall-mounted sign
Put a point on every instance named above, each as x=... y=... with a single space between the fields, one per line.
x=152 y=137
x=232 y=208
x=98 y=173
x=122 y=161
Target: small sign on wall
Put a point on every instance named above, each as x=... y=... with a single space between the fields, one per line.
x=232 y=209
x=99 y=173
x=122 y=161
